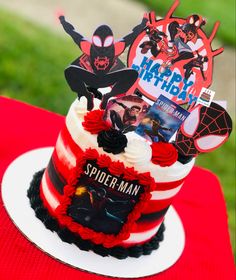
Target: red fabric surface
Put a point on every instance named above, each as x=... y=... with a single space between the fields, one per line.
x=200 y=204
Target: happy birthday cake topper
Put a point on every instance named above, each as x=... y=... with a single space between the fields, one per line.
x=174 y=57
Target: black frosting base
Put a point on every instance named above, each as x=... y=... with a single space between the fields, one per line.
x=67 y=236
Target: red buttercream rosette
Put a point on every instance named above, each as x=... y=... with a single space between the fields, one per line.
x=116 y=168
x=164 y=154
x=91 y=153
x=130 y=174
x=103 y=161
x=94 y=122
x=68 y=190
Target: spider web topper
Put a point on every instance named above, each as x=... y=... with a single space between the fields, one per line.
x=174 y=57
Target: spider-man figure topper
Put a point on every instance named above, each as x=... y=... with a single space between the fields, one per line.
x=174 y=57
x=97 y=67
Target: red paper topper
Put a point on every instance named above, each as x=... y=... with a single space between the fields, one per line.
x=174 y=57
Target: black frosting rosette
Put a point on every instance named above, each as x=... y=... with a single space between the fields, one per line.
x=112 y=141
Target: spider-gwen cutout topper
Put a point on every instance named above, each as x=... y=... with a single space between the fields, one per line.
x=97 y=67
x=173 y=57
x=206 y=129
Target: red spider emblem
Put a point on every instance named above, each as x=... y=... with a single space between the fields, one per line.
x=101 y=63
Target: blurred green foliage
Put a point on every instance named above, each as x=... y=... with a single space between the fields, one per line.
x=32 y=62
x=212 y=10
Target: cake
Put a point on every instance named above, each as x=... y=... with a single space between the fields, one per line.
x=74 y=143
x=112 y=176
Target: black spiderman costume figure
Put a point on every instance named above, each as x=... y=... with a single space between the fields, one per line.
x=102 y=53
x=155 y=36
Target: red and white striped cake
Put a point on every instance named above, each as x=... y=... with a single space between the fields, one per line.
x=72 y=143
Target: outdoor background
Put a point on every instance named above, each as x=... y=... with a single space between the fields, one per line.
x=34 y=50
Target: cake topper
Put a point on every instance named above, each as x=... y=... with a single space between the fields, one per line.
x=126 y=112
x=96 y=67
x=174 y=57
x=205 y=97
x=206 y=129
x=162 y=120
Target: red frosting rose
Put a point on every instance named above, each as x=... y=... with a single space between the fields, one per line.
x=164 y=154
x=94 y=123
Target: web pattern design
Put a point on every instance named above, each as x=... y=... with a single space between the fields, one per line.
x=212 y=127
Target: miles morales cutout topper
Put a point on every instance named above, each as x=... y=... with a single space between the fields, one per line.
x=174 y=57
x=96 y=67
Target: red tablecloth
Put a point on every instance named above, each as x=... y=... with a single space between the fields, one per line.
x=200 y=204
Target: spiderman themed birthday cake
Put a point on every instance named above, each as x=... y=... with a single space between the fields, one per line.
x=131 y=137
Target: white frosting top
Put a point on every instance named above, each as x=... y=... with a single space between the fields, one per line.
x=137 y=154
x=80 y=106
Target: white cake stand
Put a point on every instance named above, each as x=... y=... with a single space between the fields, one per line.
x=15 y=183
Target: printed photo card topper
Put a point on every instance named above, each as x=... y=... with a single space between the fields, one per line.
x=125 y=113
x=162 y=120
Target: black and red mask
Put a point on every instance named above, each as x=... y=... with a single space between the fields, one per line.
x=102 y=52
x=196 y=20
x=204 y=130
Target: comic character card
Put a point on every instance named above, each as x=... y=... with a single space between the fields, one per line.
x=125 y=113
x=162 y=120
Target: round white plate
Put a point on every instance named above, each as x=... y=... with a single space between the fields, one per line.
x=15 y=183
